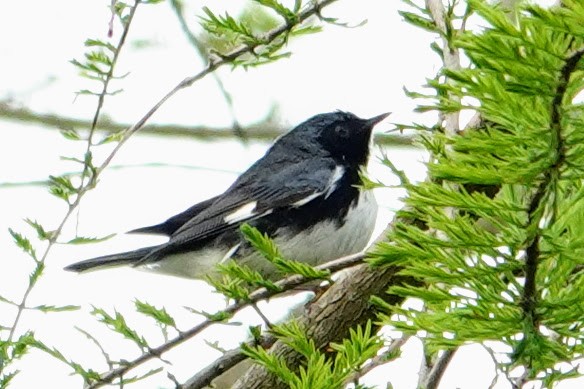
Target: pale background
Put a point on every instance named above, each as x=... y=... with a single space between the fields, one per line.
x=362 y=70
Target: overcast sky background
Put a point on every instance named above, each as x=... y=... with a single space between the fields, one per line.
x=362 y=70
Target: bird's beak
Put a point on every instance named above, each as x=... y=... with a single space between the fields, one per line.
x=376 y=119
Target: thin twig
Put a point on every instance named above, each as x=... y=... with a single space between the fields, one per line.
x=265 y=129
x=495 y=366
x=202 y=51
x=258 y=295
x=379 y=360
x=451 y=59
x=537 y=204
x=213 y=65
x=261 y=315
x=222 y=364
x=432 y=371
x=105 y=354
x=72 y=206
x=434 y=375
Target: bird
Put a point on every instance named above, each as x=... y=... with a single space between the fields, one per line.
x=305 y=193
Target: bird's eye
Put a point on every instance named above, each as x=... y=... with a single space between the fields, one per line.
x=342 y=131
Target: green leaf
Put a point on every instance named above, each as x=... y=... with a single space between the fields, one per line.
x=288 y=14
x=24 y=243
x=40 y=230
x=118 y=324
x=7 y=301
x=36 y=273
x=218 y=25
x=268 y=249
x=87 y=374
x=220 y=316
x=21 y=346
x=61 y=187
x=100 y=43
x=244 y=273
x=419 y=21
x=230 y=287
x=159 y=314
x=6 y=378
x=306 y=30
x=87 y=239
x=87 y=92
x=112 y=137
x=70 y=134
x=55 y=308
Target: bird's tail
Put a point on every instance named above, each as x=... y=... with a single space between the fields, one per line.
x=113 y=260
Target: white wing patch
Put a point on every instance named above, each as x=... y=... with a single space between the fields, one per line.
x=330 y=187
x=241 y=213
x=230 y=253
x=332 y=184
x=305 y=200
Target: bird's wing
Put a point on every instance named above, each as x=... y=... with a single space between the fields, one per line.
x=292 y=186
x=172 y=224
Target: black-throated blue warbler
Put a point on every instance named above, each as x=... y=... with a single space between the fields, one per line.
x=304 y=193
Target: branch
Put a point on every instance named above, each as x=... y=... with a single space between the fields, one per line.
x=222 y=365
x=264 y=130
x=537 y=204
x=283 y=285
x=379 y=360
x=84 y=186
x=430 y=376
x=451 y=59
x=434 y=375
x=201 y=50
x=344 y=305
x=214 y=64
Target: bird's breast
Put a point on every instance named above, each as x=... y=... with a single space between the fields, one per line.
x=331 y=238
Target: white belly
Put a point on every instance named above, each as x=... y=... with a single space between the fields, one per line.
x=318 y=245
x=327 y=241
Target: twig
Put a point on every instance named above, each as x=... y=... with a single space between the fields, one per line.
x=258 y=295
x=431 y=372
x=434 y=375
x=520 y=381
x=105 y=354
x=213 y=65
x=379 y=360
x=451 y=59
x=495 y=364
x=228 y=360
x=537 y=204
x=263 y=130
x=261 y=315
x=72 y=206
x=201 y=50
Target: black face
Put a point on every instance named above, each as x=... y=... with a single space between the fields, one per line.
x=340 y=135
x=346 y=137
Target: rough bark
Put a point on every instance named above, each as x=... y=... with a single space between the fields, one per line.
x=345 y=305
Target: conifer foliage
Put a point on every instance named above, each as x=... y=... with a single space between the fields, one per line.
x=500 y=250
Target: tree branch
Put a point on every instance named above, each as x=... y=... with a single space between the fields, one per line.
x=284 y=285
x=434 y=375
x=84 y=186
x=222 y=365
x=176 y=5
x=266 y=129
x=344 y=305
x=451 y=59
x=537 y=204
x=381 y=359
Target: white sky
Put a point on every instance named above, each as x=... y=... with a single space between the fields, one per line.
x=362 y=70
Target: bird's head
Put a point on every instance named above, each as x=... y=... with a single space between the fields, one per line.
x=343 y=135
